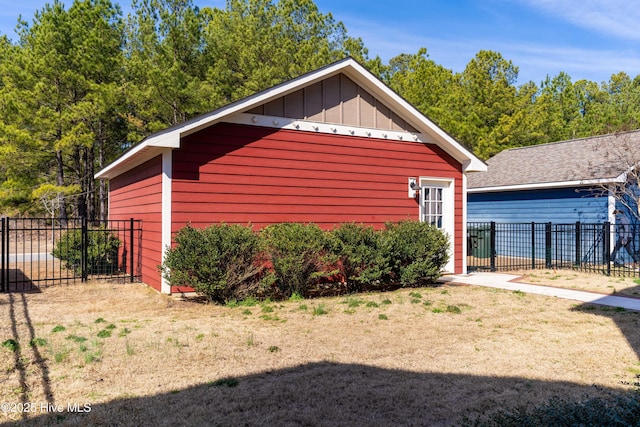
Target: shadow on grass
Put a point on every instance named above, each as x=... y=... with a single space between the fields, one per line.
x=325 y=393
x=622 y=310
x=26 y=357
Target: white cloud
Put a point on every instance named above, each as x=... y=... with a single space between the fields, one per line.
x=612 y=17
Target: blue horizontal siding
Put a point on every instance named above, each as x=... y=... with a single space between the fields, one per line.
x=560 y=206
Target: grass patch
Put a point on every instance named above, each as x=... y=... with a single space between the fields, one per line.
x=454 y=309
x=382 y=316
x=225 y=382
x=271 y=318
x=58 y=328
x=76 y=338
x=11 y=344
x=105 y=333
x=129 y=348
x=61 y=355
x=296 y=297
x=320 y=310
x=354 y=302
x=39 y=342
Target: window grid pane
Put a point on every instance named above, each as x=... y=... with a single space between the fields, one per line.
x=432 y=199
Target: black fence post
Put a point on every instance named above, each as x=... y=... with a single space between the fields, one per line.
x=578 y=244
x=607 y=247
x=3 y=285
x=85 y=249
x=6 y=249
x=533 y=245
x=492 y=245
x=547 y=245
x=131 y=270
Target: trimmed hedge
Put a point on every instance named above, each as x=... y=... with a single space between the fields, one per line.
x=298 y=254
x=361 y=261
x=102 y=251
x=216 y=261
x=416 y=252
x=225 y=262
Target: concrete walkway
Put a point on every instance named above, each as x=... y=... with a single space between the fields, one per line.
x=505 y=281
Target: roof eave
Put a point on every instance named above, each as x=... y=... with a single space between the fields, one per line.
x=170 y=138
x=548 y=185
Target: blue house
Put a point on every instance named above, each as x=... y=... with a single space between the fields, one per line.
x=580 y=180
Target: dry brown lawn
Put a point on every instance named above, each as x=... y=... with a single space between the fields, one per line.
x=600 y=283
x=428 y=356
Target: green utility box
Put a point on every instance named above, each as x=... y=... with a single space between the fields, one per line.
x=480 y=242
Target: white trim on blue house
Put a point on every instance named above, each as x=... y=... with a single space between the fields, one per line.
x=538 y=186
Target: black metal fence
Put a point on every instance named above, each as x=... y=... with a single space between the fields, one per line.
x=589 y=247
x=38 y=252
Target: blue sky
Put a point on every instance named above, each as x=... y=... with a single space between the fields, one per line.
x=588 y=39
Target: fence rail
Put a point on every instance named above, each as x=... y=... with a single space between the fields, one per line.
x=581 y=246
x=36 y=252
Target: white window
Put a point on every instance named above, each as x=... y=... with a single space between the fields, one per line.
x=432 y=205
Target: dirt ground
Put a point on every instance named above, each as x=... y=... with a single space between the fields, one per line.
x=105 y=354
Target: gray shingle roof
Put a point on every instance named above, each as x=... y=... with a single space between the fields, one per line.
x=598 y=158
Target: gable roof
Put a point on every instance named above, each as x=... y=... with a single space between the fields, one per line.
x=586 y=161
x=425 y=130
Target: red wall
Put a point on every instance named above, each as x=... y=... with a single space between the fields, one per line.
x=138 y=194
x=244 y=174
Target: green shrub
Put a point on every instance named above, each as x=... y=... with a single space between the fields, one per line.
x=298 y=255
x=417 y=252
x=216 y=261
x=357 y=247
x=102 y=251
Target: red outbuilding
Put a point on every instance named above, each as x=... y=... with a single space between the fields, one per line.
x=334 y=145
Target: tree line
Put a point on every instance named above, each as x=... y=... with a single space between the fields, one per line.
x=82 y=84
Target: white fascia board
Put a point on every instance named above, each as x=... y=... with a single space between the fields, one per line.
x=544 y=185
x=134 y=157
x=325 y=128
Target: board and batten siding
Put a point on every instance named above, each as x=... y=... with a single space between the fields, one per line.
x=138 y=194
x=241 y=174
x=338 y=100
x=559 y=206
